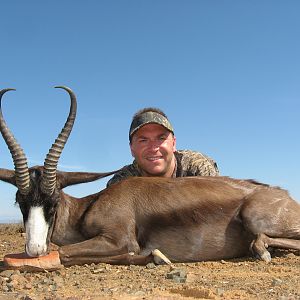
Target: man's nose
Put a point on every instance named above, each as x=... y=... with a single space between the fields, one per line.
x=154 y=144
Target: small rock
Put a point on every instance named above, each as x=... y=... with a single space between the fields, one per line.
x=177 y=275
x=276 y=282
x=60 y=272
x=284 y=298
x=28 y=286
x=220 y=292
x=134 y=267
x=46 y=281
x=22 y=296
x=7 y=273
x=53 y=287
x=5 y=289
x=28 y=298
x=18 y=279
x=290 y=255
x=139 y=293
x=58 y=281
x=100 y=270
x=10 y=285
x=150 y=266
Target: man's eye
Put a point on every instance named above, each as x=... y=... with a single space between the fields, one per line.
x=142 y=140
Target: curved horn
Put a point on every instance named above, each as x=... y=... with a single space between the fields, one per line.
x=50 y=165
x=19 y=158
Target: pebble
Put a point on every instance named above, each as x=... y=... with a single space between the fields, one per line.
x=177 y=275
x=10 y=285
x=28 y=286
x=53 y=287
x=220 y=292
x=139 y=293
x=276 y=282
x=100 y=270
x=290 y=255
x=58 y=281
x=18 y=278
x=5 y=288
x=150 y=266
x=134 y=267
x=7 y=273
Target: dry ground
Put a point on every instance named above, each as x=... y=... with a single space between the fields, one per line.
x=231 y=279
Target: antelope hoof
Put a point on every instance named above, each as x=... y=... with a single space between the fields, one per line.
x=266 y=256
x=64 y=258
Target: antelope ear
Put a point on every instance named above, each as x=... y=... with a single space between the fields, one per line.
x=65 y=179
x=8 y=176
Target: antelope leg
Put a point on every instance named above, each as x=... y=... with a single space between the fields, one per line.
x=122 y=259
x=262 y=242
x=96 y=247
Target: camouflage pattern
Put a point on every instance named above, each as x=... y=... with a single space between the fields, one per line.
x=147 y=118
x=188 y=163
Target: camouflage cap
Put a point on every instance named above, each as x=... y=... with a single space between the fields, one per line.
x=147 y=118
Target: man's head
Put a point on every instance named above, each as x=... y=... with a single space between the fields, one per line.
x=152 y=142
x=149 y=115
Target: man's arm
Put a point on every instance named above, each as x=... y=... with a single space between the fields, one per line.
x=125 y=172
x=192 y=163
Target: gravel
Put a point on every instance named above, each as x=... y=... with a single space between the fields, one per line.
x=244 y=278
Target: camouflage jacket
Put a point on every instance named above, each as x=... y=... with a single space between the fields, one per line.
x=188 y=163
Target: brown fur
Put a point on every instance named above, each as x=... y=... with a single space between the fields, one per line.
x=188 y=219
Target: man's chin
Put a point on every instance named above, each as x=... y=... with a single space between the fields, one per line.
x=155 y=172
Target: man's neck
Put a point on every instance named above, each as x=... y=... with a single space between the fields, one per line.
x=171 y=172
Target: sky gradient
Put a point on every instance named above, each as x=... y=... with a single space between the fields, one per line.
x=226 y=73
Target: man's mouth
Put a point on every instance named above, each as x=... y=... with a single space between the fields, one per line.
x=154 y=158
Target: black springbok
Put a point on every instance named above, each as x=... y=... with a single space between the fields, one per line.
x=187 y=219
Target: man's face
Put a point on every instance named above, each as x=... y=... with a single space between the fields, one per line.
x=153 y=146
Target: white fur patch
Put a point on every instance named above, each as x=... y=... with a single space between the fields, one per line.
x=36 y=232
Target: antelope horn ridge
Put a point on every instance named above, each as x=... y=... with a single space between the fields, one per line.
x=18 y=156
x=48 y=182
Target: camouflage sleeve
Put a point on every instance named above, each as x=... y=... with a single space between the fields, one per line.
x=197 y=164
x=125 y=172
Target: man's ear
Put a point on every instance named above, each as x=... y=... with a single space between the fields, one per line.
x=174 y=143
x=131 y=150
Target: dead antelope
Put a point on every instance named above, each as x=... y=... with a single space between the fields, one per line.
x=188 y=219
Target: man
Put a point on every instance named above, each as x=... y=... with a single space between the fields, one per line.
x=153 y=146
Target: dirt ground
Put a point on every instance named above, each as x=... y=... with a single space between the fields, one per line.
x=245 y=278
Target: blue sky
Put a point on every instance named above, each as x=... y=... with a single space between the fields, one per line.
x=226 y=73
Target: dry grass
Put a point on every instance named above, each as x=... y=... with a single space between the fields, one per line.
x=11 y=228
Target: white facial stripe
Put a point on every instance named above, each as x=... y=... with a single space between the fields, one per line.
x=36 y=232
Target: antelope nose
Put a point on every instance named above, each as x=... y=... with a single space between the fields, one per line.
x=35 y=250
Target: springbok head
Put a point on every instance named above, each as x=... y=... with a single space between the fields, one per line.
x=38 y=187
